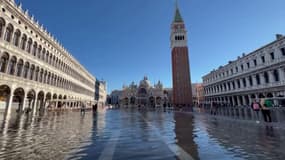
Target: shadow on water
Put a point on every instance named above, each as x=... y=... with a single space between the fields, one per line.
x=185 y=134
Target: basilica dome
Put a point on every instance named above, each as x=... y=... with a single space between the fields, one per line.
x=145 y=83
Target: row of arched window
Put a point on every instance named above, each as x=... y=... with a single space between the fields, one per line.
x=260 y=60
x=18 y=67
x=179 y=38
x=28 y=45
x=257 y=79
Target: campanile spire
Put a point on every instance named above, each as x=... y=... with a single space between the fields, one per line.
x=182 y=90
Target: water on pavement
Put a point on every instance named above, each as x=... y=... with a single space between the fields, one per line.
x=122 y=134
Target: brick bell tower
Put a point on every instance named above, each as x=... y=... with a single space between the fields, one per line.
x=182 y=90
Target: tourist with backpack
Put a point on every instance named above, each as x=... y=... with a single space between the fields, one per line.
x=256 y=108
x=265 y=105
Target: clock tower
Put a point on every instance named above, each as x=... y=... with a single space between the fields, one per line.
x=182 y=90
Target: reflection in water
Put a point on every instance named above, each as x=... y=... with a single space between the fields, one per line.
x=136 y=134
x=248 y=141
x=48 y=136
x=184 y=130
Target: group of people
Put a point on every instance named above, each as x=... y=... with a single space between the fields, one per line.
x=263 y=106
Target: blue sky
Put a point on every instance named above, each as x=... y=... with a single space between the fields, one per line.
x=120 y=41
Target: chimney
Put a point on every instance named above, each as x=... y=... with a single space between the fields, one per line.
x=279 y=36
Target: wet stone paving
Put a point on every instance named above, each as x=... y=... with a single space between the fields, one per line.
x=122 y=134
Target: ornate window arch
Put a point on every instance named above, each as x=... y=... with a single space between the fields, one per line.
x=20 y=65
x=26 y=70
x=2 y=26
x=12 y=65
x=29 y=46
x=17 y=36
x=35 y=48
x=23 y=42
x=9 y=32
x=4 y=62
x=32 y=72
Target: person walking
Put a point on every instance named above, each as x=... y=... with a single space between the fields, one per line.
x=256 y=108
x=265 y=105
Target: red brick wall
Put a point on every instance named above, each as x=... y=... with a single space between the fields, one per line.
x=182 y=91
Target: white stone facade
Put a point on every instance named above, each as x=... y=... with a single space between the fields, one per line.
x=35 y=70
x=258 y=74
x=102 y=93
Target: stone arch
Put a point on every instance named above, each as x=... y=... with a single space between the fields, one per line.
x=43 y=54
x=17 y=35
x=126 y=101
x=59 y=105
x=45 y=77
x=4 y=62
x=41 y=75
x=48 y=78
x=18 y=99
x=133 y=100
x=9 y=32
x=261 y=95
x=35 y=46
x=47 y=56
x=39 y=52
x=266 y=77
x=40 y=100
x=24 y=42
x=20 y=65
x=151 y=100
x=269 y=95
x=54 y=98
x=32 y=72
x=5 y=92
x=37 y=73
x=26 y=70
x=276 y=75
x=12 y=65
x=64 y=103
x=2 y=26
x=158 y=100
x=31 y=98
x=29 y=45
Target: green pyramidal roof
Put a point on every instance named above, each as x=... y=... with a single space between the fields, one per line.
x=178 y=17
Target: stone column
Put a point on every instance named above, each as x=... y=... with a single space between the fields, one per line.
x=254 y=82
x=247 y=82
x=243 y=100
x=236 y=84
x=35 y=103
x=56 y=104
x=8 y=66
x=250 y=100
x=10 y=102
x=271 y=77
x=262 y=79
x=44 y=102
x=233 y=100
x=238 y=101
x=24 y=101
x=281 y=74
x=231 y=86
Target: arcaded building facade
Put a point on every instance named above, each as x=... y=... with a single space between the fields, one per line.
x=35 y=70
x=258 y=74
